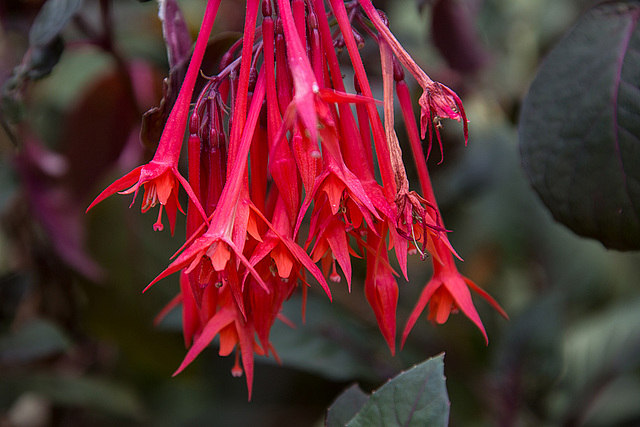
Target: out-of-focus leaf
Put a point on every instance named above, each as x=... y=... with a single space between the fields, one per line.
x=13 y=287
x=329 y=343
x=34 y=340
x=178 y=42
x=60 y=214
x=42 y=59
x=85 y=392
x=608 y=343
x=597 y=352
x=617 y=405
x=153 y=120
x=529 y=358
x=346 y=406
x=453 y=33
x=12 y=108
x=417 y=397
x=579 y=127
x=45 y=49
x=98 y=127
x=51 y=20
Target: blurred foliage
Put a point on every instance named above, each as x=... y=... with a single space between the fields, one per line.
x=77 y=341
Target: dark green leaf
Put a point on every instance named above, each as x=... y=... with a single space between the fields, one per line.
x=33 y=340
x=51 y=20
x=346 y=406
x=580 y=126
x=417 y=397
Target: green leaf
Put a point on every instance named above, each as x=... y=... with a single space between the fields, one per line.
x=580 y=126
x=33 y=340
x=51 y=20
x=417 y=397
x=346 y=406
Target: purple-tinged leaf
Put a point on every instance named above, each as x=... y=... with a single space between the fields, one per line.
x=580 y=127
x=178 y=42
x=175 y=31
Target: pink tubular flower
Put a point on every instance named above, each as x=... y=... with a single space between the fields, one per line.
x=159 y=176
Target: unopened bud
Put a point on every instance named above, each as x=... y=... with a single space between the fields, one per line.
x=312 y=19
x=356 y=85
x=253 y=78
x=398 y=71
x=194 y=123
x=359 y=38
x=267 y=10
x=227 y=58
x=385 y=19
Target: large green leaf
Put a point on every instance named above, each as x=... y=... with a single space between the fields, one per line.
x=580 y=126
x=417 y=397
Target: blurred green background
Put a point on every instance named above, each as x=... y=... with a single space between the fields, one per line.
x=78 y=344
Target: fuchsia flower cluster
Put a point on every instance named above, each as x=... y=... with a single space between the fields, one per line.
x=275 y=136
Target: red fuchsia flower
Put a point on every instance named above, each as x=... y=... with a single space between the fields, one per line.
x=448 y=292
x=218 y=253
x=235 y=331
x=159 y=176
x=381 y=288
x=274 y=135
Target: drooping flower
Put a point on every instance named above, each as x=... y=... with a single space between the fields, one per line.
x=446 y=293
x=448 y=290
x=274 y=139
x=381 y=289
x=160 y=177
